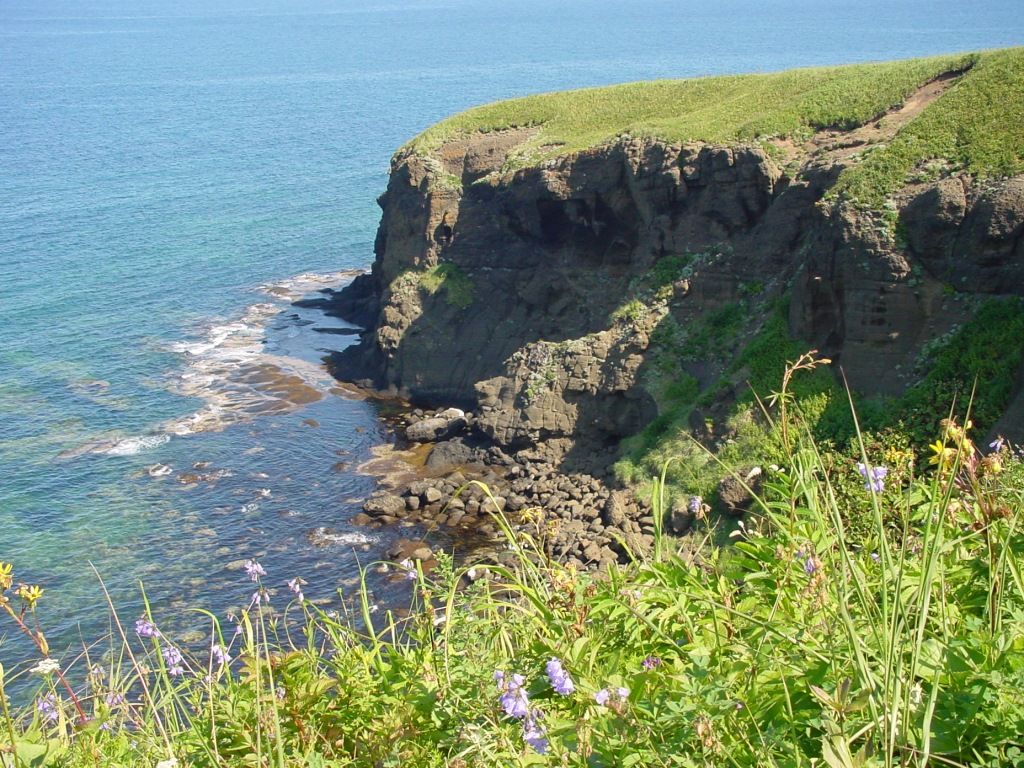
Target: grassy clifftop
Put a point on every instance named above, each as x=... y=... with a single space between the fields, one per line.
x=977 y=125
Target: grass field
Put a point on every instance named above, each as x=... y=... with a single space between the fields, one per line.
x=978 y=125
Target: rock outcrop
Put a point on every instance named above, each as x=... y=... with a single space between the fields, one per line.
x=508 y=291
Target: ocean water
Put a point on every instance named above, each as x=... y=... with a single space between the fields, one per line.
x=167 y=170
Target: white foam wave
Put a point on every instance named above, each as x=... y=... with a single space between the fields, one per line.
x=322 y=536
x=229 y=368
x=298 y=286
x=133 y=445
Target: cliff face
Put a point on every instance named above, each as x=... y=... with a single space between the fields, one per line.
x=532 y=295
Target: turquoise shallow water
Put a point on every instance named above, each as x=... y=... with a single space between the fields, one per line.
x=160 y=162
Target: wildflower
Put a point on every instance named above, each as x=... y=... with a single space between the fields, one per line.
x=97 y=672
x=942 y=457
x=534 y=734
x=46 y=667
x=873 y=476
x=695 y=504
x=605 y=697
x=220 y=655
x=295 y=585
x=29 y=594
x=876 y=557
x=254 y=570
x=991 y=465
x=811 y=565
x=169 y=763
x=559 y=678
x=146 y=628
x=47 y=707
x=260 y=596
x=114 y=699
x=513 y=700
x=651 y=662
x=172 y=656
x=997 y=444
x=410 y=569
x=280 y=692
x=6 y=579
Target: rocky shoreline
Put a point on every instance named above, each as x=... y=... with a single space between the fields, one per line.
x=579 y=518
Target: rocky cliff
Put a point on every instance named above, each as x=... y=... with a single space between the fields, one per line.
x=541 y=296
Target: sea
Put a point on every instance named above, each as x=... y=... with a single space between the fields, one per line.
x=174 y=175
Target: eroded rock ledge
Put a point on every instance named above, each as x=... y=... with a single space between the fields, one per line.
x=546 y=299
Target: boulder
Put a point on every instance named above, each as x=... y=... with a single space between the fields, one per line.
x=734 y=498
x=446 y=424
x=384 y=504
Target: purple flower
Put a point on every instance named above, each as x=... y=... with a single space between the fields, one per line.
x=172 y=656
x=295 y=585
x=873 y=476
x=220 y=655
x=810 y=566
x=651 y=662
x=513 y=700
x=534 y=734
x=603 y=696
x=114 y=700
x=875 y=556
x=47 y=707
x=254 y=570
x=559 y=678
x=997 y=444
x=695 y=504
x=410 y=569
x=260 y=596
x=146 y=628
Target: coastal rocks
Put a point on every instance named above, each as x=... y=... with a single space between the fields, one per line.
x=577 y=516
x=383 y=504
x=445 y=424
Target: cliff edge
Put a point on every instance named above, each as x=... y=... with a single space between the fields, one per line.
x=574 y=267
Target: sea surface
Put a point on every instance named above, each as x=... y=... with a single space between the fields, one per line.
x=173 y=175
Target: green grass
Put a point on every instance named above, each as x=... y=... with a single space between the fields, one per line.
x=796 y=645
x=457 y=287
x=982 y=351
x=977 y=126
x=714 y=109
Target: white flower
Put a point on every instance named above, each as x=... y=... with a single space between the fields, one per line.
x=46 y=667
x=170 y=763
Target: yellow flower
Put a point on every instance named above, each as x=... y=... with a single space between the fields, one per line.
x=29 y=594
x=6 y=569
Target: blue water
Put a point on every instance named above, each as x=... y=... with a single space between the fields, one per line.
x=159 y=162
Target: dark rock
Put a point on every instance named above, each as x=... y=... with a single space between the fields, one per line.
x=451 y=453
x=384 y=504
x=733 y=495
